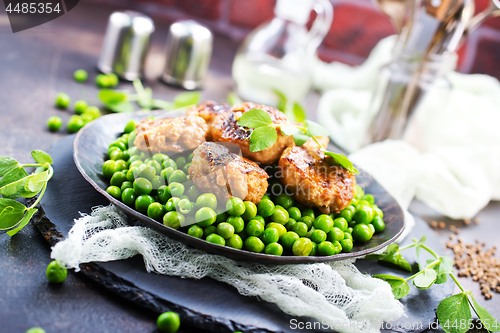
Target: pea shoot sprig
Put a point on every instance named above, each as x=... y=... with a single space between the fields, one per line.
x=120 y=101
x=264 y=135
x=453 y=312
x=15 y=182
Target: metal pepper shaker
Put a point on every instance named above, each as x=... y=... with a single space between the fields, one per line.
x=126 y=44
x=189 y=48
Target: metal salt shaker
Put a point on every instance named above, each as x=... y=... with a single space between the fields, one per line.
x=126 y=44
x=189 y=48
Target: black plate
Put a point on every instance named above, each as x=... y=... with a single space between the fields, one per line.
x=90 y=148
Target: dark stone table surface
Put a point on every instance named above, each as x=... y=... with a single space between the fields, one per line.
x=34 y=66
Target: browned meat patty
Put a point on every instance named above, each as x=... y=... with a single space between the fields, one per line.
x=225 y=129
x=314 y=181
x=208 y=110
x=170 y=134
x=217 y=170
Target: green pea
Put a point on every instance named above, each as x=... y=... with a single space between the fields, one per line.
x=142 y=186
x=54 y=123
x=274 y=249
x=222 y=216
x=289 y=225
x=369 y=198
x=254 y=228
x=270 y=235
x=209 y=230
x=177 y=176
x=323 y=222
x=173 y=219
x=142 y=202
x=302 y=247
x=372 y=228
x=359 y=192
x=129 y=196
x=176 y=189
x=225 y=230
x=180 y=161
x=254 y=244
x=155 y=165
x=56 y=273
x=185 y=168
x=195 y=231
x=156 y=211
x=168 y=322
x=146 y=171
x=126 y=184
x=121 y=165
x=300 y=228
x=362 y=233
x=309 y=233
x=284 y=200
x=326 y=248
x=116 y=154
x=130 y=126
x=265 y=208
x=265 y=197
x=35 y=330
x=184 y=206
x=378 y=224
x=308 y=212
x=205 y=216
x=294 y=213
x=235 y=242
x=80 y=75
x=335 y=234
x=314 y=251
x=363 y=215
x=169 y=163
x=62 y=100
x=74 y=124
x=346 y=214
x=102 y=81
x=237 y=222
x=235 y=206
x=193 y=192
x=288 y=239
x=280 y=215
x=118 y=178
x=309 y=221
x=114 y=191
x=94 y=113
x=250 y=211
x=80 y=107
x=243 y=235
x=349 y=230
x=112 y=80
x=165 y=173
x=346 y=245
x=318 y=236
x=347 y=235
x=164 y=193
x=340 y=223
x=172 y=204
x=280 y=227
x=216 y=239
x=207 y=200
x=259 y=218
x=118 y=144
x=378 y=212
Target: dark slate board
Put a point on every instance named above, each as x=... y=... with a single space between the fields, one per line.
x=68 y=194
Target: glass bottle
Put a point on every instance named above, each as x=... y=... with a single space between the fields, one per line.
x=275 y=55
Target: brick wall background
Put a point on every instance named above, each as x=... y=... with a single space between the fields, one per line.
x=356 y=29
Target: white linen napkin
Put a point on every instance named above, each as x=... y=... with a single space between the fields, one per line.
x=450 y=155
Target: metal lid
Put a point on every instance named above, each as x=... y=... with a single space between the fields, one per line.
x=189 y=48
x=126 y=44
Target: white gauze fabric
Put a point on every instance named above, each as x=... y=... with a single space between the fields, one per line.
x=332 y=293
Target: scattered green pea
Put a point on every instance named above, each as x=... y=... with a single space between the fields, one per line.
x=56 y=272
x=168 y=322
x=62 y=100
x=80 y=75
x=80 y=107
x=54 y=123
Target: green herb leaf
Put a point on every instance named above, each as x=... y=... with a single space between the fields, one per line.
x=282 y=101
x=36 y=183
x=11 y=212
x=425 y=279
x=7 y=164
x=145 y=100
x=298 y=113
x=300 y=138
x=454 y=309
x=418 y=247
x=342 y=160
x=489 y=322
x=255 y=118
x=13 y=175
x=289 y=129
x=41 y=157
x=186 y=99
x=26 y=218
x=399 y=286
x=233 y=99
x=11 y=190
x=262 y=138
x=315 y=129
x=108 y=96
x=122 y=107
x=393 y=256
x=161 y=104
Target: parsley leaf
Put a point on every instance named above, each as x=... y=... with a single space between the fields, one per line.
x=289 y=129
x=342 y=160
x=262 y=137
x=255 y=118
x=186 y=99
x=315 y=129
x=300 y=138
